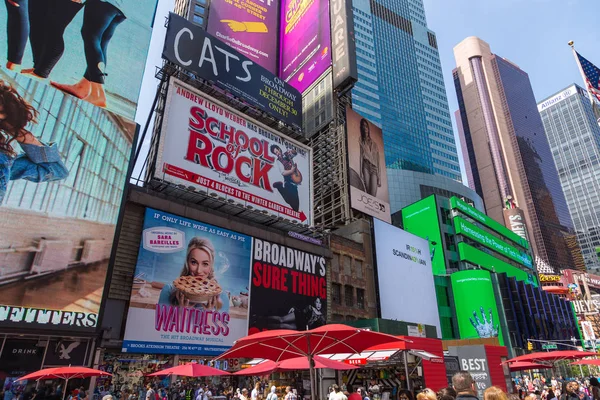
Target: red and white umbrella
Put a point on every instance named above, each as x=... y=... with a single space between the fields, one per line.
x=294 y=364
x=65 y=373
x=192 y=370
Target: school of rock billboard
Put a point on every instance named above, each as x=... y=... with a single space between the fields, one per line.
x=215 y=149
x=248 y=27
x=197 y=288
x=289 y=288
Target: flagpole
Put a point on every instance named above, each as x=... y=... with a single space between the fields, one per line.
x=587 y=89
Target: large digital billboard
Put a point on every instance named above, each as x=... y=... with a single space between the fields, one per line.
x=190 y=291
x=421 y=219
x=289 y=288
x=248 y=27
x=462 y=227
x=475 y=305
x=63 y=167
x=304 y=42
x=194 y=50
x=218 y=150
x=404 y=274
x=94 y=50
x=369 y=191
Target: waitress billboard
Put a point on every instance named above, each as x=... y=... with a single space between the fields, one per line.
x=190 y=291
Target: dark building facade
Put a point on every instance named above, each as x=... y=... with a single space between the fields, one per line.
x=508 y=148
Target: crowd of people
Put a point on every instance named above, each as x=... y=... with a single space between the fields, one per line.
x=463 y=388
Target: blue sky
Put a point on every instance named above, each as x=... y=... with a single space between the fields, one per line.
x=531 y=33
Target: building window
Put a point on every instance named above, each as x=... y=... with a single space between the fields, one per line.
x=347 y=266
x=199 y=9
x=335 y=263
x=336 y=293
x=349 y=295
x=337 y=317
x=198 y=20
x=359 y=268
x=360 y=298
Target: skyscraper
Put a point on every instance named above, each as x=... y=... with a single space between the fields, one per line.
x=508 y=150
x=401 y=89
x=574 y=138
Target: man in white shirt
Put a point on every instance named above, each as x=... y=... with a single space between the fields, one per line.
x=244 y=395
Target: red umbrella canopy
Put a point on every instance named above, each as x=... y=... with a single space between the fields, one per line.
x=551 y=356
x=593 y=361
x=278 y=345
x=522 y=365
x=191 y=369
x=293 y=364
x=64 y=373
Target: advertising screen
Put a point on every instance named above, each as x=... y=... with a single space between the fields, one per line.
x=194 y=50
x=289 y=288
x=473 y=359
x=93 y=50
x=404 y=274
x=369 y=191
x=190 y=289
x=477 y=257
x=305 y=42
x=221 y=151
x=421 y=219
x=463 y=227
x=61 y=184
x=475 y=305
x=249 y=27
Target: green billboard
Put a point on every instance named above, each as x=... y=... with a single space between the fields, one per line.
x=475 y=305
x=462 y=227
x=480 y=217
x=484 y=260
x=421 y=219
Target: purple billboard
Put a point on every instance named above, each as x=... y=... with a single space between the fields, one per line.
x=249 y=27
x=305 y=42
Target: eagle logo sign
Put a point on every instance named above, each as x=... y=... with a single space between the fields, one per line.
x=65 y=352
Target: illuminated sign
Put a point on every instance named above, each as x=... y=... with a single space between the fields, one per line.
x=356 y=361
x=549 y=278
x=471 y=231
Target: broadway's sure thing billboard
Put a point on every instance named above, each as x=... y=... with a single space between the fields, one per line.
x=190 y=291
x=289 y=288
x=304 y=41
x=59 y=202
x=217 y=150
x=249 y=27
x=94 y=50
x=368 y=178
x=475 y=305
x=190 y=47
x=404 y=274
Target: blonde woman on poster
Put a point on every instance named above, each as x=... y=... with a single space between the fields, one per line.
x=369 y=160
x=199 y=262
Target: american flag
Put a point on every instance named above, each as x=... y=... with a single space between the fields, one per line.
x=592 y=76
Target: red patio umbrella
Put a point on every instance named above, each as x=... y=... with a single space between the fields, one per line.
x=292 y=364
x=551 y=357
x=593 y=361
x=278 y=345
x=191 y=369
x=522 y=366
x=65 y=373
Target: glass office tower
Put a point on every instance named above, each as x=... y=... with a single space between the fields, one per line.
x=401 y=89
x=574 y=138
x=508 y=150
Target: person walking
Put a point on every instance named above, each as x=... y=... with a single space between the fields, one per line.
x=273 y=394
x=426 y=394
x=289 y=394
x=352 y=395
x=464 y=385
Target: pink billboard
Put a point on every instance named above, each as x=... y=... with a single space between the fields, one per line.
x=305 y=42
x=249 y=27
